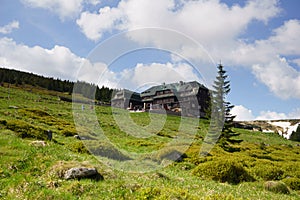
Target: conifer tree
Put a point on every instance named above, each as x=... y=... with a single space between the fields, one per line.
x=221 y=119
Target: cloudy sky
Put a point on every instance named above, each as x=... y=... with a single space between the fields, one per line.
x=137 y=43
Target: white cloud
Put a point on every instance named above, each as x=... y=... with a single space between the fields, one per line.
x=155 y=74
x=58 y=62
x=285 y=40
x=217 y=27
x=9 y=27
x=212 y=24
x=271 y=115
x=266 y=59
x=97 y=73
x=63 y=8
x=202 y=20
x=93 y=25
x=280 y=77
x=242 y=113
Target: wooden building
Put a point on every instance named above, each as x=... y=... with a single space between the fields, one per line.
x=126 y=99
x=190 y=98
x=194 y=99
x=187 y=98
x=160 y=96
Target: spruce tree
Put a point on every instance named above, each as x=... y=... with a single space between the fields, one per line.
x=221 y=124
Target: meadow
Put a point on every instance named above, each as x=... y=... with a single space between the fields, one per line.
x=35 y=172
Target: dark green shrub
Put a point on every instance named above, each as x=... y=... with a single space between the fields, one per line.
x=3 y=122
x=291 y=169
x=107 y=150
x=37 y=112
x=69 y=132
x=223 y=171
x=277 y=187
x=78 y=147
x=295 y=136
x=161 y=193
x=293 y=183
x=267 y=171
x=220 y=197
x=26 y=130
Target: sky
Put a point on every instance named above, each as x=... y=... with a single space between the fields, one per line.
x=134 y=44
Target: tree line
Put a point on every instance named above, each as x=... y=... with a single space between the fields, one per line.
x=88 y=90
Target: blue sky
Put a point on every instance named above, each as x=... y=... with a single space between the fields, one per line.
x=109 y=42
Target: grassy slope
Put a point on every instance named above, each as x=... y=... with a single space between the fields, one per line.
x=28 y=172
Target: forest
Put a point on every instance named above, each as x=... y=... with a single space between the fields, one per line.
x=88 y=90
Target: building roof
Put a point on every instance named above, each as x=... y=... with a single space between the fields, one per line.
x=126 y=94
x=152 y=91
x=178 y=87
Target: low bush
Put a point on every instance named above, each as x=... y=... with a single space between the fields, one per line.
x=106 y=150
x=220 y=197
x=69 y=132
x=291 y=169
x=267 y=171
x=223 y=171
x=296 y=135
x=3 y=122
x=78 y=147
x=26 y=130
x=277 y=187
x=161 y=193
x=293 y=183
x=37 y=112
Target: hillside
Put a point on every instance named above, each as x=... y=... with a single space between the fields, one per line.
x=287 y=128
x=30 y=171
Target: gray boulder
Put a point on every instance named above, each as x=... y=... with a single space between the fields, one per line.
x=38 y=143
x=82 y=172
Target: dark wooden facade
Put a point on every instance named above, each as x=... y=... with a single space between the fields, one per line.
x=191 y=98
x=126 y=99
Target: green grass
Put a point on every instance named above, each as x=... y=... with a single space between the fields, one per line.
x=30 y=172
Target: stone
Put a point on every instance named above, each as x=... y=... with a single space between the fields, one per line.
x=82 y=172
x=38 y=143
x=77 y=137
x=13 y=107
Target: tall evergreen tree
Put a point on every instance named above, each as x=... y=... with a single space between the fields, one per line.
x=222 y=88
x=221 y=124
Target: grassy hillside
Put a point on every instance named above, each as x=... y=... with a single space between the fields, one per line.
x=35 y=172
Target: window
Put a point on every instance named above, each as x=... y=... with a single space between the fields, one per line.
x=158 y=101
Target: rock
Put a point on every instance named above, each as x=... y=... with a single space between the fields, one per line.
x=277 y=187
x=13 y=107
x=82 y=172
x=38 y=143
x=77 y=137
